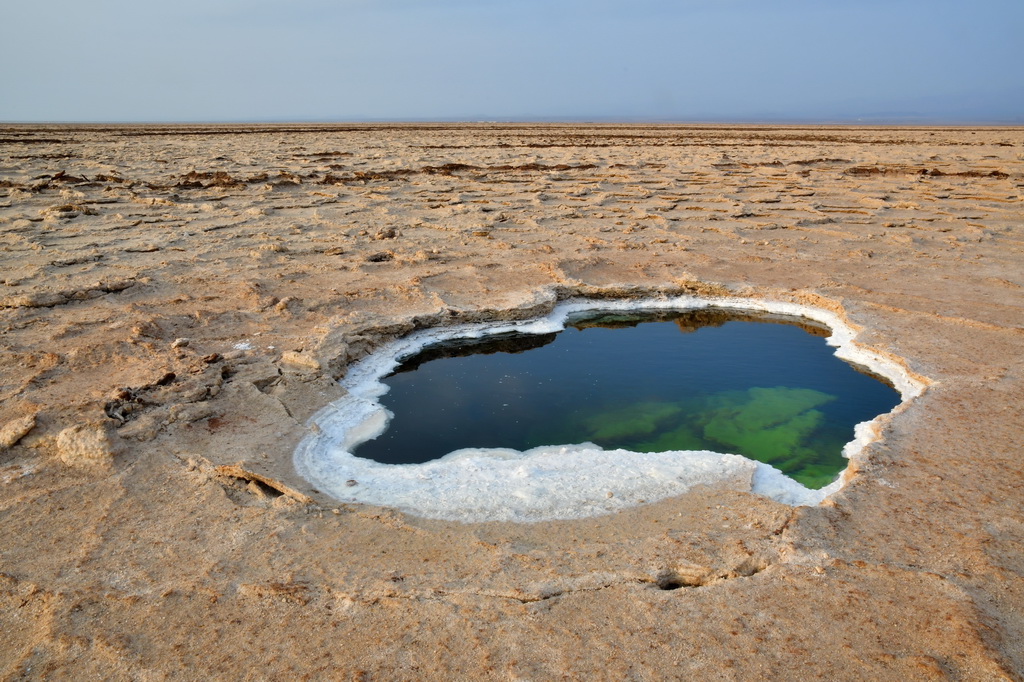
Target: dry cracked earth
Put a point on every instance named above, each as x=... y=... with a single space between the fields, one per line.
x=176 y=301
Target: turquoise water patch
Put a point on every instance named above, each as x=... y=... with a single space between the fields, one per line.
x=766 y=388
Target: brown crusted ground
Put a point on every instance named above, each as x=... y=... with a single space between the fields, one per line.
x=151 y=525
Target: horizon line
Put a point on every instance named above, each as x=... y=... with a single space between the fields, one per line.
x=863 y=121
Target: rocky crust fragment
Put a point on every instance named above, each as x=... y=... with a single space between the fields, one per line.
x=14 y=431
x=87 y=445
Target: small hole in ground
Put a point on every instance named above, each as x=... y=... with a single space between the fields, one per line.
x=674 y=579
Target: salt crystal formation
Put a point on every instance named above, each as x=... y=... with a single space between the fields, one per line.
x=579 y=480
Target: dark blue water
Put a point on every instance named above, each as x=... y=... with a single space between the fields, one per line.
x=767 y=389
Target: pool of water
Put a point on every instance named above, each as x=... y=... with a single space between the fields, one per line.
x=763 y=387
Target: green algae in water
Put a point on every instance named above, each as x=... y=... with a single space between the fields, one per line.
x=706 y=380
x=778 y=425
x=631 y=422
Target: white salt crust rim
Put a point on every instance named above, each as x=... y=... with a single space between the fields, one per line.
x=553 y=482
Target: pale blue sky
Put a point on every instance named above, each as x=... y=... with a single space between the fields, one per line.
x=753 y=60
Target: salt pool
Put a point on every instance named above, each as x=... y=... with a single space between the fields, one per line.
x=586 y=422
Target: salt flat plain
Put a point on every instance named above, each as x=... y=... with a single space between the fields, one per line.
x=177 y=301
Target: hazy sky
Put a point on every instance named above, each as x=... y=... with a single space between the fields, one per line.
x=254 y=60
